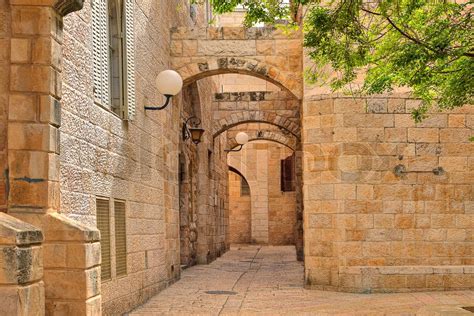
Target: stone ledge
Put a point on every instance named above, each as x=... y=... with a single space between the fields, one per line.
x=407 y=270
x=64 y=7
x=389 y=279
x=16 y=232
x=232 y=33
x=57 y=227
x=62 y=228
x=253 y=96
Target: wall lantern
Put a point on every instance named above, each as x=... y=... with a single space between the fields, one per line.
x=169 y=83
x=241 y=138
x=191 y=130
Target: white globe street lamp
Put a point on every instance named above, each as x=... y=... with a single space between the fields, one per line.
x=241 y=138
x=169 y=83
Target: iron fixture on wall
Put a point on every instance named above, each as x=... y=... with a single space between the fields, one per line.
x=401 y=170
x=192 y=130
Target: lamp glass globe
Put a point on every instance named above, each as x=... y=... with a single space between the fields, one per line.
x=242 y=138
x=169 y=82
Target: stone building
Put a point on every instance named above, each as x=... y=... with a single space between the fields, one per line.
x=103 y=202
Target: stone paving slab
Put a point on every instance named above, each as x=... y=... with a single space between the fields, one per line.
x=269 y=281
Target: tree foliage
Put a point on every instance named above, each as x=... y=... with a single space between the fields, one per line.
x=426 y=46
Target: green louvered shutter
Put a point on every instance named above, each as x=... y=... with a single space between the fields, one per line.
x=103 y=224
x=120 y=239
x=129 y=60
x=100 y=52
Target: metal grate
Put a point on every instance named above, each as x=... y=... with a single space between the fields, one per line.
x=103 y=224
x=221 y=292
x=120 y=238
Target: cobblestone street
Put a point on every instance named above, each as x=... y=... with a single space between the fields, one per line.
x=268 y=280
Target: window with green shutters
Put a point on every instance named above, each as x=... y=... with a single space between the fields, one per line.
x=113 y=49
x=120 y=239
x=112 y=224
x=103 y=225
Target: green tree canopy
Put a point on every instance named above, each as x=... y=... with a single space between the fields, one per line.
x=426 y=46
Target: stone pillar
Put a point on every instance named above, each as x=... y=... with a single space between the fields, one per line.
x=33 y=108
x=21 y=268
x=260 y=197
x=72 y=260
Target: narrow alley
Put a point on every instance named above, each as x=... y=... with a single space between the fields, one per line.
x=268 y=280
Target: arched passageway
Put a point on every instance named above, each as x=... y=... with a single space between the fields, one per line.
x=208 y=54
x=262 y=195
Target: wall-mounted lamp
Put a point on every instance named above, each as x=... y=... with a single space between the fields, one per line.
x=169 y=83
x=241 y=138
x=192 y=130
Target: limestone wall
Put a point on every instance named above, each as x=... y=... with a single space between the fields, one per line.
x=137 y=161
x=218 y=216
x=363 y=221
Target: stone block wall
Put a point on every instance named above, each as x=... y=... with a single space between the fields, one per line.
x=217 y=229
x=282 y=206
x=360 y=215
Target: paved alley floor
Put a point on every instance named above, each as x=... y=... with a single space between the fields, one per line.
x=251 y=280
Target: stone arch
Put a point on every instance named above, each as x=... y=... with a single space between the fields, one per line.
x=199 y=69
x=234 y=170
x=289 y=141
x=256 y=117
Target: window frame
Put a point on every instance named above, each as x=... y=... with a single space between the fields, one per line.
x=113 y=54
x=113 y=239
x=120 y=109
x=288 y=174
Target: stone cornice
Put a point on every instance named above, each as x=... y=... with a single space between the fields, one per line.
x=64 y=7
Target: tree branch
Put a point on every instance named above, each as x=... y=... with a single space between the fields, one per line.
x=413 y=39
x=368 y=11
